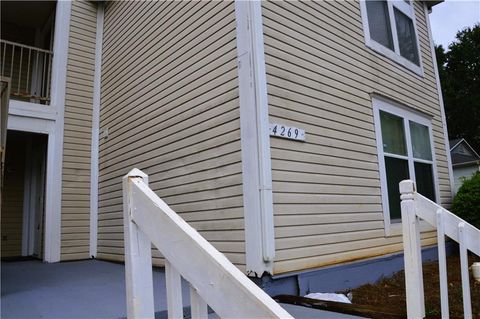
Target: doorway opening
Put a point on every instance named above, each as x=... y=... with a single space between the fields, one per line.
x=23 y=199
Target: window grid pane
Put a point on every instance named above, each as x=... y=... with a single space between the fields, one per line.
x=393 y=134
x=379 y=22
x=406 y=37
x=424 y=180
x=396 y=171
x=420 y=138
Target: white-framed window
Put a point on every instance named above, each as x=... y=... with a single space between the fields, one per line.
x=405 y=151
x=390 y=29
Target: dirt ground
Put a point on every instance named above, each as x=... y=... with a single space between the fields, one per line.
x=391 y=292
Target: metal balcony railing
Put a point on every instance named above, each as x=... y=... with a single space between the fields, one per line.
x=29 y=69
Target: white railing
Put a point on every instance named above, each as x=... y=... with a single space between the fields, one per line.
x=29 y=69
x=214 y=280
x=415 y=207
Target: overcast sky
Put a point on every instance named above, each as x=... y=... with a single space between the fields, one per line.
x=451 y=16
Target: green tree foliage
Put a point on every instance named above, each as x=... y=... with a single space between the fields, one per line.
x=466 y=203
x=459 y=70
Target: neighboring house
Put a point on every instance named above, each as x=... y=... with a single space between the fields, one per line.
x=187 y=92
x=465 y=161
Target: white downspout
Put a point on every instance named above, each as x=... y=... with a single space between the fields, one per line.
x=255 y=140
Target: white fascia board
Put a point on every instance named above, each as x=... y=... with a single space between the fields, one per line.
x=31 y=124
x=458 y=143
x=95 y=132
x=55 y=157
x=440 y=101
x=255 y=140
x=33 y=110
x=471 y=163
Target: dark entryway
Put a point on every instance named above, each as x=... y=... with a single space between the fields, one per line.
x=22 y=220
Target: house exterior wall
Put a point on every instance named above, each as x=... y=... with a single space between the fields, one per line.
x=169 y=106
x=75 y=216
x=320 y=77
x=460 y=173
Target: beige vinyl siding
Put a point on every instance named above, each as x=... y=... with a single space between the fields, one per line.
x=170 y=104
x=75 y=233
x=12 y=197
x=320 y=74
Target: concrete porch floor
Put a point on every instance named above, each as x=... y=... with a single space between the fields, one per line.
x=87 y=289
x=80 y=289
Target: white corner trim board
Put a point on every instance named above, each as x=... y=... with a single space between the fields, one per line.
x=440 y=101
x=55 y=157
x=255 y=140
x=96 y=132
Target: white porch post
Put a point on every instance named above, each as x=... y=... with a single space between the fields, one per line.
x=412 y=252
x=53 y=204
x=138 y=258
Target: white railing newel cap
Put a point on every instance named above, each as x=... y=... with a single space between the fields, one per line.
x=136 y=173
x=407 y=188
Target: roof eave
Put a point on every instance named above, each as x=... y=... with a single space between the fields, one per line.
x=470 y=163
x=431 y=3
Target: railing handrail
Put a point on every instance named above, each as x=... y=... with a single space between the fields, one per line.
x=415 y=206
x=427 y=210
x=26 y=46
x=214 y=280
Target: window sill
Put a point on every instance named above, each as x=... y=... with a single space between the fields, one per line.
x=380 y=49
x=395 y=229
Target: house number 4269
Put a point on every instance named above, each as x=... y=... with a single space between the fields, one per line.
x=284 y=131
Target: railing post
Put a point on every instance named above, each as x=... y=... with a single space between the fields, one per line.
x=173 y=283
x=442 y=264
x=138 y=257
x=199 y=308
x=412 y=252
x=462 y=240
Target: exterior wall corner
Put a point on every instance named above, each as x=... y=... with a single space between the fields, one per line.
x=256 y=162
